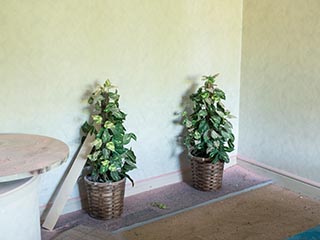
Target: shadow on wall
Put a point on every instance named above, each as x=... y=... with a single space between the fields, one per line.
x=184 y=163
x=185 y=105
x=80 y=182
x=84 y=99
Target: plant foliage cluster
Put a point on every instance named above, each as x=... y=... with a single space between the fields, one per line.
x=209 y=133
x=110 y=159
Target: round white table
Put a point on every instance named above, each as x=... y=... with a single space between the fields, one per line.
x=22 y=158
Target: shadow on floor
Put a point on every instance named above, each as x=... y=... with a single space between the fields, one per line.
x=176 y=197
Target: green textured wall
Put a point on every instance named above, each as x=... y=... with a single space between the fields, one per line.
x=280 y=85
x=52 y=52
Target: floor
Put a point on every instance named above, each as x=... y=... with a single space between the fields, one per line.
x=247 y=206
x=267 y=213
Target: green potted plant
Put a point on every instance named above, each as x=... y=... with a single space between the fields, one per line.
x=110 y=159
x=209 y=136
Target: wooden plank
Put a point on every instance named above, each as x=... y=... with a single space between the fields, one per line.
x=68 y=184
x=23 y=155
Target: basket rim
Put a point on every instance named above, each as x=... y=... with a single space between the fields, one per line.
x=103 y=183
x=201 y=159
x=198 y=159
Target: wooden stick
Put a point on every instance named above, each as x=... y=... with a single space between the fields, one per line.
x=68 y=184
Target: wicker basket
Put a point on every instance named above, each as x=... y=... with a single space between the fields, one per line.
x=105 y=199
x=206 y=176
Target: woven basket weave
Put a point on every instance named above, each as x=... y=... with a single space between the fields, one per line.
x=206 y=176
x=105 y=199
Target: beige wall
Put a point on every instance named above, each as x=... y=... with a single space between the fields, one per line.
x=280 y=85
x=52 y=52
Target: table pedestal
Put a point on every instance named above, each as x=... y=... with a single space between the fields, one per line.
x=19 y=209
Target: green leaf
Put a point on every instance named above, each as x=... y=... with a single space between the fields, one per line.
x=108 y=124
x=216 y=144
x=110 y=146
x=230 y=146
x=224 y=157
x=97 y=119
x=121 y=149
x=94 y=157
x=133 y=136
x=99 y=134
x=227 y=127
x=112 y=167
x=103 y=169
x=97 y=143
x=118 y=141
x=114 y=96
x=206 y=137
x=128 y=137
x=159 y=205
x=107 y=83
x=105 y=153
x=216 y=158
x=105 y=163
x=209 y=102
x=231 y=137
x=115 y=176
x=205 y=95
x=213 y=152
x=225 y=135
x=197 y=135
x=118 y=130
x=90 y=100
x=105 y=136
x=203 y=126
x=210 y=79
x=116 y=159
x=219 y=93
x=231 y=116
x=221 y=114
x=131 y=163
x=216 y=75
x=131 y=156
x=119 y=114
x=126 y=167
x=110 y=107
x=202 y=113
x=86 y=127
x=214 y=134
x=215 y=119
x=187 y=123
x=221 y=107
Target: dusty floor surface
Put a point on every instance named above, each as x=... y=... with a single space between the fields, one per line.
x=82 y=232
x=268 y=213
x=176 y=197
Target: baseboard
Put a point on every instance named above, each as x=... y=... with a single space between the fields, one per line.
x=282 y=178
x=75 y=204
x=164 y=180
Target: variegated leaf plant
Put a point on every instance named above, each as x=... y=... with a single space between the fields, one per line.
x=110 y=159
x=209 y=132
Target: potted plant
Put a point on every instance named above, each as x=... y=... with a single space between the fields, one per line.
x=110 y=159
x=209 y=136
